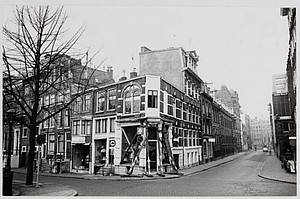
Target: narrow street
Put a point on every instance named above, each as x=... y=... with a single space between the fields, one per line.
x=236 y=178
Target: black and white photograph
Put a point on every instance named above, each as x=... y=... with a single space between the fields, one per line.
x=149 y=98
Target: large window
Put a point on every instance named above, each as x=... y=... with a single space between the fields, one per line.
x=51 y=142
x=86 y=127
x=152 y=99
x=112 y=125
x=101 y=126
x=76 y=127
x=100 y=101
x=86 y=103
x=111 y=99
x=132 y=99
x=67 y=118
x=61 y=143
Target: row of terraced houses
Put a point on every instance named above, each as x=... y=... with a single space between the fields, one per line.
x=163 y=119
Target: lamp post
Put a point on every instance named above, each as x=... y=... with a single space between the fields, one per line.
x=7 y=173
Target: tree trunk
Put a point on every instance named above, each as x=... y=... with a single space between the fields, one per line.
x=32 y=133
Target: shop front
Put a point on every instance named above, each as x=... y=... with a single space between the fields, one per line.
x=81 y=158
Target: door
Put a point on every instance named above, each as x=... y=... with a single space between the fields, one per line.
x=152 y=155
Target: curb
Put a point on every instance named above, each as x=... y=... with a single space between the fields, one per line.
x=274 y=179
x=270 y=178
x=201 y=170
x=131 y=179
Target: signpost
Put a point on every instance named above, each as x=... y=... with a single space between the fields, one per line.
x=112 y=143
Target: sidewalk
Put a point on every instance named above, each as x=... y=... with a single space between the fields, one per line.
x=48 y=189
x=272 y=170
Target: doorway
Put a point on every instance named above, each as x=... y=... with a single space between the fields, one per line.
x=153 y=155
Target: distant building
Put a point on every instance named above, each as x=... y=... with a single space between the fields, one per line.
x=246 y=132
x=261 y=132
x=230 y=99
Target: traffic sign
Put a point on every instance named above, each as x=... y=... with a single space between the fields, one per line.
x=112 y=143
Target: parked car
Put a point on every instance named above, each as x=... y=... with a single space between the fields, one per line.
x=265 y=149
x=288 y=163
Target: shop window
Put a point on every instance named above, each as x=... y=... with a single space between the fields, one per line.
x=101 y=126
x=152 y=98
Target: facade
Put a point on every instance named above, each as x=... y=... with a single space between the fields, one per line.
x=261 y=132
x=222 y=123
x=246 y=132
x=230 y=99
x=290 y=132
x=150 y=123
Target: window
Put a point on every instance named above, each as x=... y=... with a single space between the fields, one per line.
x=59 y=119
x=180 y=136
x=112 y=125
x=86 y=127
x=132 y=99
x=51 y=142
x=46 y=100
x=51 y=121
x=24 y=149
x=161 y=102
x=170 y=105
x=101 y=126
x=178 y=108
x=76 y=127
x=185 y=138
x=112 y=99
x=67 y=118
x=190 y=138
x=98 y=126
x=100 y=101
x=152 y=99
x=52 y=99
x=104 y=126
x=86 y=103
x=61 y=143
x=60 y=97
x=24 y=132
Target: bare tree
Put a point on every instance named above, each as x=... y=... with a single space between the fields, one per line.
x=36 y=63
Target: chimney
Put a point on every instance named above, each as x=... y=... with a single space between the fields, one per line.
x=110 y=71
x=144 y=49
x=124 y=77
x=133 y=74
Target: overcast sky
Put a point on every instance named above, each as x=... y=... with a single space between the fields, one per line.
x=240 y=47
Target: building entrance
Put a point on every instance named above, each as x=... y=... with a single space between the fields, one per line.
x=153 y=155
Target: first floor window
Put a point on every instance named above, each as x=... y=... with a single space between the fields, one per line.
x=112 y=125
x=61 y=143
x=51 y=142
x=76 y=127
x=152 y=99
